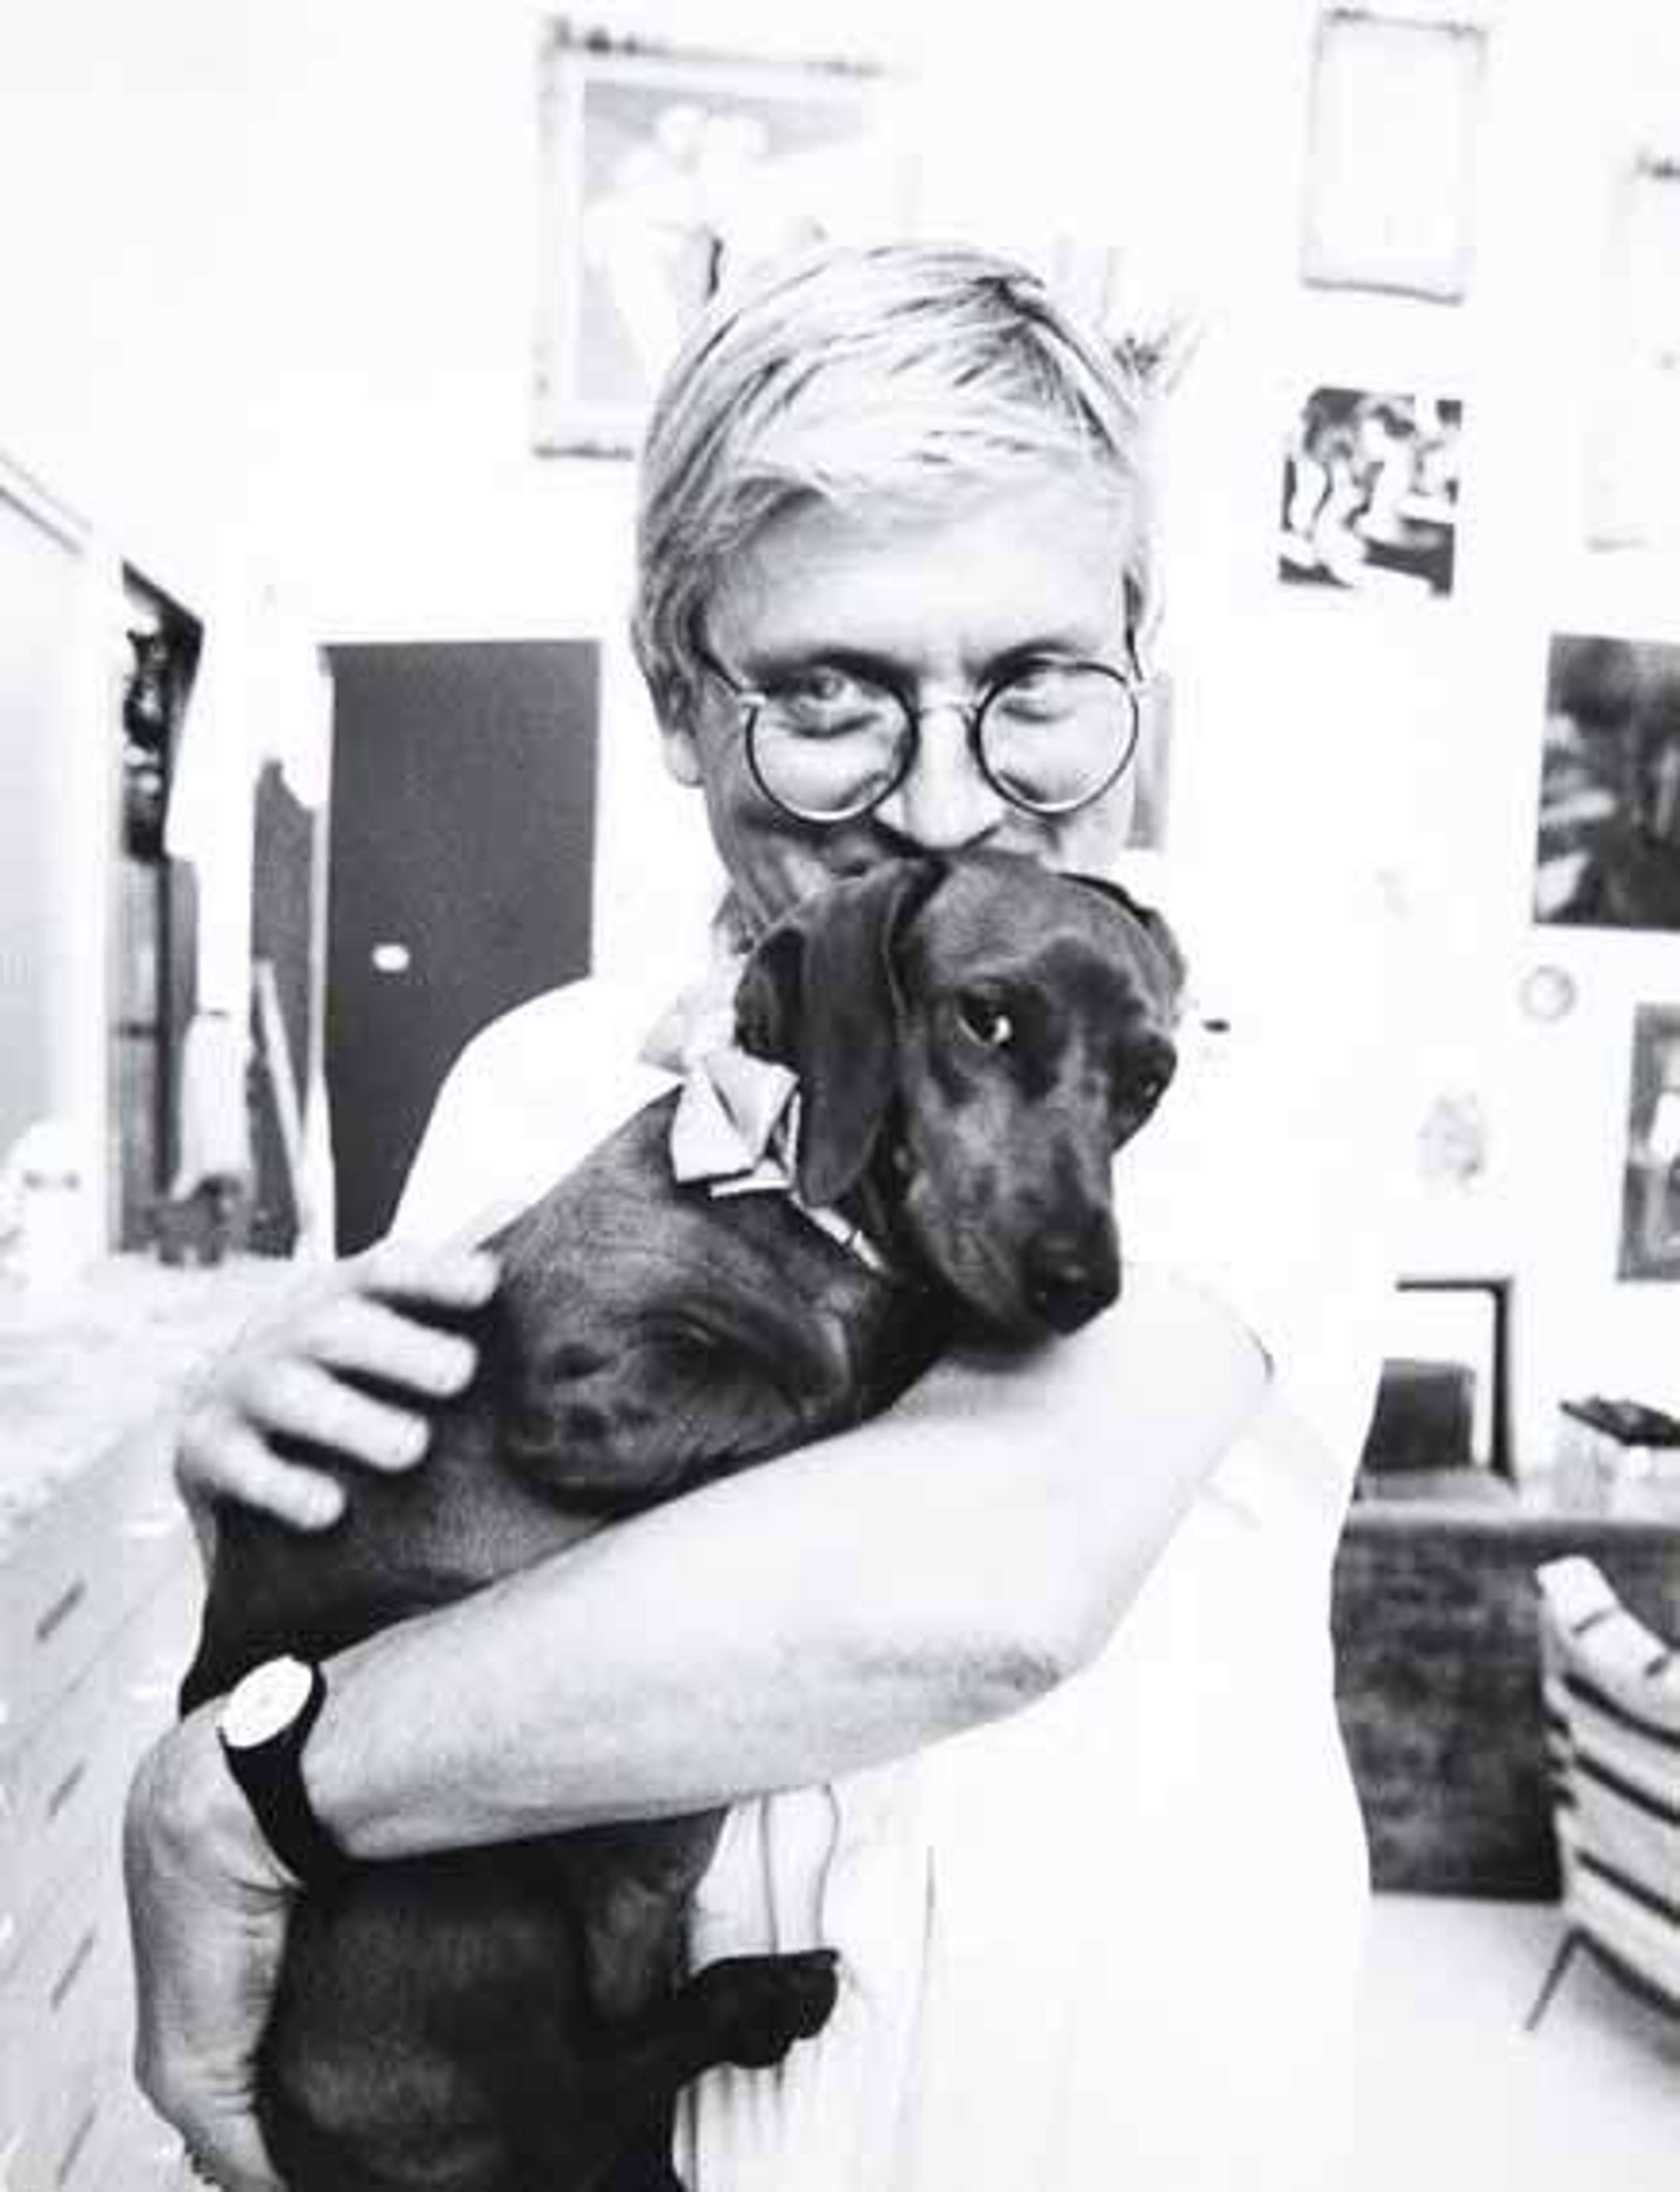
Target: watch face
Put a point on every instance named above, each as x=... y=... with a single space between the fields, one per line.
x=268 y=1699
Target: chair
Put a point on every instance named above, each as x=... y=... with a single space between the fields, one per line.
x=1612 y=1697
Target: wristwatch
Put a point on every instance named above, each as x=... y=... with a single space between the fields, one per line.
x=263 y=1726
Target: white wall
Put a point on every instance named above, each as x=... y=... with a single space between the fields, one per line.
x=121 y=265
x=370 y=255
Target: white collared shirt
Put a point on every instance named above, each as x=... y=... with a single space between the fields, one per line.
x=1112 y=1938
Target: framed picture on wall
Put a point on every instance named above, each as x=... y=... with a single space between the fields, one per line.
x=1634 y=482
x=1371 y=492
x=1607 y=848
x=1392 y=150
x=667 y=176
x=1650 y=1207
x=1444 y=1399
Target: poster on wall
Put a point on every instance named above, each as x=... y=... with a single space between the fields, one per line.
x=1650 y=1206
x=1634 y=483
x=1371 y=492
x=1392 y=144
x=1608 y=852
x=669 y=176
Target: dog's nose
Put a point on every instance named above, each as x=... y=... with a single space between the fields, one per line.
x=1072 y=1272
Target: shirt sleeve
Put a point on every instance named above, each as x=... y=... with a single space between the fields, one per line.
x=527 y=1099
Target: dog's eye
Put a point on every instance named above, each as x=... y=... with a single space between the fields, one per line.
x=1148 y=1089
x=984 y=1021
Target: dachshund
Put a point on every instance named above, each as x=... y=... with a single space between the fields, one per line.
x=973 y=1040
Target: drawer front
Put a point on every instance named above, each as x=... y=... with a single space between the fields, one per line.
x=70 y=1579
x=60 y=2038
x=62 y=1794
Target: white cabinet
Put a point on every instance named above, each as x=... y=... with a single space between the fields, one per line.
x=99 y=1598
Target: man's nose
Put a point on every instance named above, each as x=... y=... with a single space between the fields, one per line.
x=944 y=802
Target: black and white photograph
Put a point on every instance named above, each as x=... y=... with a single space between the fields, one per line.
x=1650 y=1209
x=1634 y=453
x=669 y=174
x=802 y=1197
x=1370 y=493
x=1608 y=851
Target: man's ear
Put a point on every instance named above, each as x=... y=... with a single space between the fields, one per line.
x=681 y=750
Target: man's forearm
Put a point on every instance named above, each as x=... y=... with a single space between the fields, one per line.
x=842 y=1607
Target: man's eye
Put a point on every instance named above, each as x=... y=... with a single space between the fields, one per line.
x=820 y=681
x=1041 y=692
x=824 y=697
x=984 y=1021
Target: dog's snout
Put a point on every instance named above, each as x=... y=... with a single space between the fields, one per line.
x=1072 y=1272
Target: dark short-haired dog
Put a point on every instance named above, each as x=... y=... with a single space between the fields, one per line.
x=974 y=1039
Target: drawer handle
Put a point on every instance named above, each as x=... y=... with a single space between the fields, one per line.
x=68 y=1788
x=60 y=1611
x=73 y=1970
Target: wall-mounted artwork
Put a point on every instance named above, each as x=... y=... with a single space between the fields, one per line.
x=1391 y=163
x=1444 y=1399
x=1608 y=849
x=668 y=176
x=1634 y=485
x=1371 y=492
x=1650 y=1207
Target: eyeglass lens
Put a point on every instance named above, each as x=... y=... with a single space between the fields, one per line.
x=1049 y=741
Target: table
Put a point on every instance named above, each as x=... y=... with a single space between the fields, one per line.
x=1437 y=1684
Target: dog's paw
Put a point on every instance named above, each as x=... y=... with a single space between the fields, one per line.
x=759 y=2005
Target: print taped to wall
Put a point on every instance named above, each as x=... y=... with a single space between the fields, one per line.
x=1370 y=493
x=1650 y=1208
x=668 y=177
x=1391 y=152
x=1634 y=480
x=1608 y=849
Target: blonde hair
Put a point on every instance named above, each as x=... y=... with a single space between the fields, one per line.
x=911 y=372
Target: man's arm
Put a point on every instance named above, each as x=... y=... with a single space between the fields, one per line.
x=939 y=1567
x=834 y=1608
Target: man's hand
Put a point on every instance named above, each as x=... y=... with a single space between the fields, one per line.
x=207 y=1909
x=295 y=1378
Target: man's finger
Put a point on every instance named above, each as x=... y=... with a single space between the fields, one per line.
x=220 y=1450
x=300 y=1400
x=456 y=1277
x=361 y=1335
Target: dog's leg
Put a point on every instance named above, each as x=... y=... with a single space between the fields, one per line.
x=746 y=2010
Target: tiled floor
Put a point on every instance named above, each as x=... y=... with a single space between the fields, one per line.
x=1455 y=2097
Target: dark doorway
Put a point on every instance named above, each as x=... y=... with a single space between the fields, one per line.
x=463 y=836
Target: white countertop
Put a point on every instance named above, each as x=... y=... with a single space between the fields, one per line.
x=84 y=1367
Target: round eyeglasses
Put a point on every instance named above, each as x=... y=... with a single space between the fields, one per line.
x=827 y=744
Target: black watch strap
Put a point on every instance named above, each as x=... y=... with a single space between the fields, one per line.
x=263 y=1728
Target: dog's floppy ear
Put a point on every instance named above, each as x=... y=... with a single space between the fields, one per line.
x=820 y=994
x=1154 y=926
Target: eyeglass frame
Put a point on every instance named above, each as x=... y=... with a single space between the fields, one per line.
x=753 y=699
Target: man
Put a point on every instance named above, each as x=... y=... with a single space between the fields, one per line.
x=1106 y=1933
